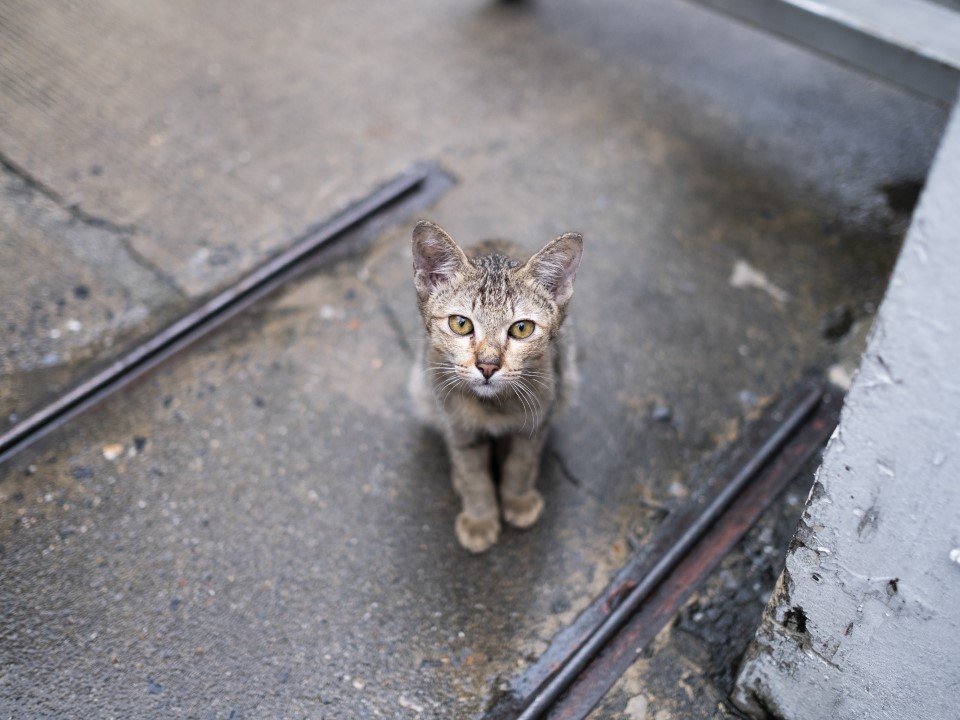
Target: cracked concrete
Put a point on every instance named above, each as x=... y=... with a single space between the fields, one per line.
x=274 y=536
x=124 y=233
x=72 y=295
x=73 y=209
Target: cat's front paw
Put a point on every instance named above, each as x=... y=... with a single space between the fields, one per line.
x=477 y=534
x=524 y=510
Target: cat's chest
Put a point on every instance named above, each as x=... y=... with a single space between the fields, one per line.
x=498 y=416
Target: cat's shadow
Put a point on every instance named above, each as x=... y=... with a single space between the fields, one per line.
x=429 y=455
x=496 y=599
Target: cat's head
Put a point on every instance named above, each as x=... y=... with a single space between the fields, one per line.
x=490 y=318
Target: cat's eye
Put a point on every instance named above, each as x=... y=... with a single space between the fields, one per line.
x=460 y=325
x=521 y=329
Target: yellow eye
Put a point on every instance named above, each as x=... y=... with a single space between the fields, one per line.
x=521 y=329
x=460 y=325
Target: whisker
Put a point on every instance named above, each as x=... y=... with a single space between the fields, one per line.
x=437 y=366
x=523 y=402
x=448 y=380
x=521 y=395
x=443 y=390
x=534 y=396
x=542 y=383
x=530 y=400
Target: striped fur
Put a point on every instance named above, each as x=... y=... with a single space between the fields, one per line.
x=493 y=285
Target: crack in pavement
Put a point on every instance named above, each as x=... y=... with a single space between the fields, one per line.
x=150 y=266
x=123 y=233
x=72 y=209
x=392 y=318
x=565 y=470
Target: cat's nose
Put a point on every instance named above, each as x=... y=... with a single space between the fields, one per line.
x=488 y=368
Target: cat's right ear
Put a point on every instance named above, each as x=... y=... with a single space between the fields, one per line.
x=436 y=258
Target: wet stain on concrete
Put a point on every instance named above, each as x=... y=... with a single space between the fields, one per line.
x=903 y=195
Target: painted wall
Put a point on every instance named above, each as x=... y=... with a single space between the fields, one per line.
x=865 y=621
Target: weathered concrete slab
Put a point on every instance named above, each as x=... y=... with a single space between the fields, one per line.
x=863 y=623
x=72 y=294
x=207 y=136
x=275 y=535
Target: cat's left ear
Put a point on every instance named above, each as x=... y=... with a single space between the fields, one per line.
x=555 y=267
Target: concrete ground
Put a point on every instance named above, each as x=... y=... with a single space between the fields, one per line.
x=273 y=536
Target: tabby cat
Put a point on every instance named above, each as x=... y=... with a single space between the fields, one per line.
x=495 y=366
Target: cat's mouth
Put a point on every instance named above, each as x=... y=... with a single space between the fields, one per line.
x=486 y=388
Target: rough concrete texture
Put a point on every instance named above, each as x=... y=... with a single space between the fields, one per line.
x=260 y=528
x=72 y=294
x=864 y=623
x=199 y=139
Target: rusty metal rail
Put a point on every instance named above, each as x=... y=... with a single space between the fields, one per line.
x=391 y=204
x=585 y=660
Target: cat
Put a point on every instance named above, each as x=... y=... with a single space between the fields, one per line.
x=494 y=366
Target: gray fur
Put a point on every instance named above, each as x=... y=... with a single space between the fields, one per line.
x=494 y=285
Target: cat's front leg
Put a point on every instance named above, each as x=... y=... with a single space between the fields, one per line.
x=522 y=504
x=478 y=525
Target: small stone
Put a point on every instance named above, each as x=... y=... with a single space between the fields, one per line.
x=153 y=687
x=661 y=412
x=840 y=376
x=112 y=451
x=748 y=398
x=636 y=708
x=836 y=323
x=955 y=555
x=409 y=704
